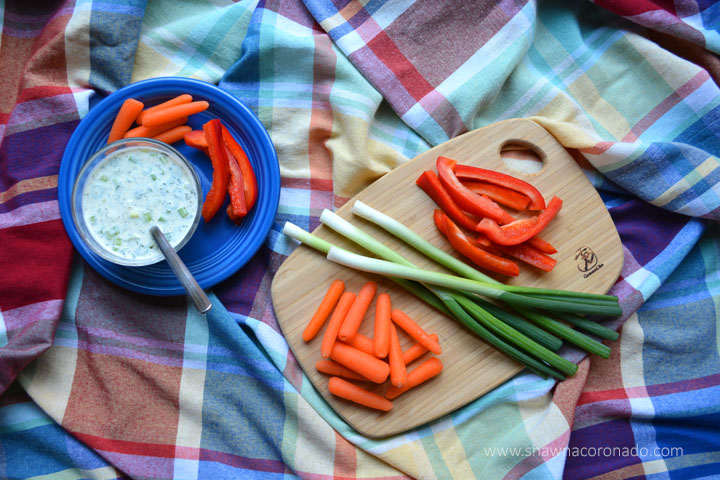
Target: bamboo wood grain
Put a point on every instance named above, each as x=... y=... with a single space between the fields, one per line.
x=472 y=368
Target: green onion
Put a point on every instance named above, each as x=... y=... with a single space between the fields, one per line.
x=588 y=325
x=499 y=328
x=303 y=236
x=533 y=364
x=520 y=324
x=383 y=267
x=566 y=333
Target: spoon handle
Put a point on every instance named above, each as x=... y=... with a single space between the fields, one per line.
x=196 y=294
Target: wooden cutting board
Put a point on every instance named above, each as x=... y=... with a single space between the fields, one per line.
x=589 y=259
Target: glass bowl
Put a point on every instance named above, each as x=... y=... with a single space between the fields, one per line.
x=135 y=200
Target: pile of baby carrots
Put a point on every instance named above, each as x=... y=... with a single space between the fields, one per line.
x=165 y=122
x=350 y=357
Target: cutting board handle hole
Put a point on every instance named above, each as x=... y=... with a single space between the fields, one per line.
x=521 y=157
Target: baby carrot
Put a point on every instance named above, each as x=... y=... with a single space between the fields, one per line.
x=417 y=351
x=423 y=372
x=398 y=374
x=179 y=100
x=173 y=135
x=357 y=312
x=362 y=343
x=124 y=119
x=344 y=389
x=169 y=114
x=381 y=334
x=403 y=321
x=360 y=362
x=333 y=368
x=338 y=316
x=150 y=132
x=328 y=302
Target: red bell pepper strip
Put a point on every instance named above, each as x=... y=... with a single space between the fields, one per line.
x=218 y=190
x=470 y=202
x=431 y=185
x=237 y=206
x=518 y=231
x=469 y=172
x=524 y=252
x=500 y=194
x=465 y=247
x=542 y=245
x=249 y=180
x=196 y=139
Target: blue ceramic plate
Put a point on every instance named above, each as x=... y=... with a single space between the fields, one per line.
x=218 y=248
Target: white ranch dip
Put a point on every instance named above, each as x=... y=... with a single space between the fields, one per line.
x=133 y=189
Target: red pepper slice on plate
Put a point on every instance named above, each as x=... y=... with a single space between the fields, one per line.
x=465 y=247
x=218 y=190
x=249 y=180
x=431 y=185
x=469 y=172
x=498 y=193
x=473 y=203
x=196 y=139
x=518 y=231
x=524 y=252
x=237 y=208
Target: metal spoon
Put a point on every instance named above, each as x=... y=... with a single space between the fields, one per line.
x=196 y=294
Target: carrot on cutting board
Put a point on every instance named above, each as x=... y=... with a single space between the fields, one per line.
x=338 y=316
x=411 y=327
x=173 y=135
x=422 y=373
x=344 y=389
x=417 y=350
x=381 y=333
x=362 y=342
x=169 y=114
x=360 y=362
x=357 y=312
x=179 y=100
x=333 y=368
x=398 y=373
x=328 y=302
x=150 y=132
x=124 y=119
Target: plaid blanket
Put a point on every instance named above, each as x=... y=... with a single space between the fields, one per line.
x=98 y=382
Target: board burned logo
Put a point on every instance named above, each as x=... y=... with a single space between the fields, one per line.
x=587 y=261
